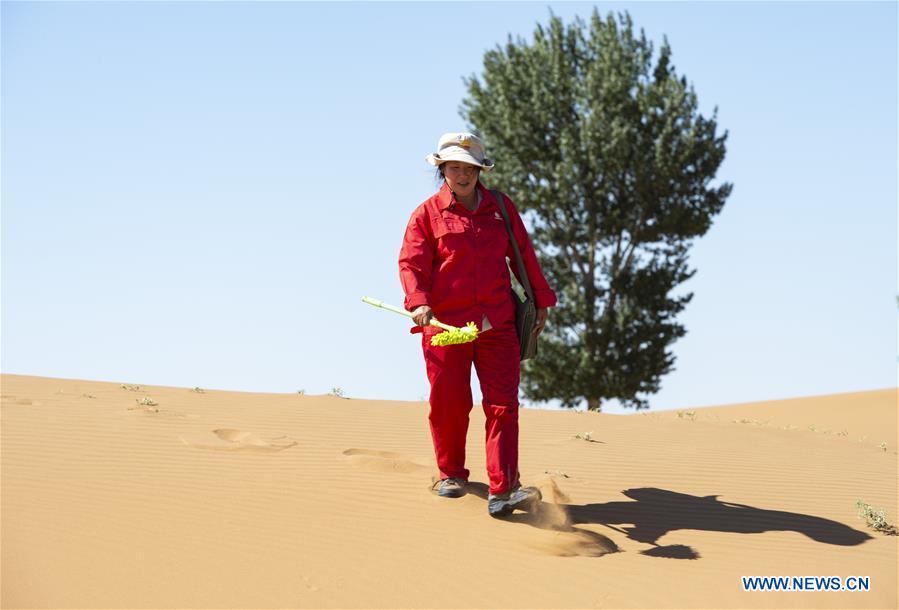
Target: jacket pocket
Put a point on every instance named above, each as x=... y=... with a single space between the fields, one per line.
x=448 y=226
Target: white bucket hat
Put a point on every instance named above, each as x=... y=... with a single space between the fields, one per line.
x=464 y=147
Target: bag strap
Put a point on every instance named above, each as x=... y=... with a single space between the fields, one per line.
x=525 y=281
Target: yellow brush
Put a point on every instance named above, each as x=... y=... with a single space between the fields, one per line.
x=453 y=334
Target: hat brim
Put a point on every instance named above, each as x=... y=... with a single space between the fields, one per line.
x=464 y=157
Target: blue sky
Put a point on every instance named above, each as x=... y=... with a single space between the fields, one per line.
x=198 y=194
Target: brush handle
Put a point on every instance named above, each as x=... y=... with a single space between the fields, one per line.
x=403 y=312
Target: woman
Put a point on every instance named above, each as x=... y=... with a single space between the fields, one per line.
x=453 y=267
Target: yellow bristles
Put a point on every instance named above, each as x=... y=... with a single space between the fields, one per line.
x=466 y=334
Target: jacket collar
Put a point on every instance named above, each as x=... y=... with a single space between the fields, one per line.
x=445 y=197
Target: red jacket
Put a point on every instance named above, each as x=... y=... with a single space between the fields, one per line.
x=454 y=261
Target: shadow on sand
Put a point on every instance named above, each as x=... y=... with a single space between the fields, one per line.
x=652 y=513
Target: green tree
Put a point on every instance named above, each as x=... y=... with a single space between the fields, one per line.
x=610 y=162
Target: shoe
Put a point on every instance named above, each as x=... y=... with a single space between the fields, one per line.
x=450 y=488
x=521 y=498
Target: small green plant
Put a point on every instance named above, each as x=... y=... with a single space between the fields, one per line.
x=754 y=422
x=131 y=388
x=586 y=436
x=691 y=415
x=145 y=404
x=199 y=390
x=876 y=518
x=336 y=391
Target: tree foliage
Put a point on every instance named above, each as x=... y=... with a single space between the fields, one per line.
x=610 y=161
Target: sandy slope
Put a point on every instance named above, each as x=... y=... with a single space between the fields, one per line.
x=227 y=499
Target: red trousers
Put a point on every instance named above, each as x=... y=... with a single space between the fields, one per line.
x=495 y=355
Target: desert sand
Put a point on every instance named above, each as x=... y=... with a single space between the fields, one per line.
x=215 y=499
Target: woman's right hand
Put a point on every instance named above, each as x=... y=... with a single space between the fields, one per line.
x=422 y=315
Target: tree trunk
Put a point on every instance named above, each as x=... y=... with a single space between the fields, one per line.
x=593 y=405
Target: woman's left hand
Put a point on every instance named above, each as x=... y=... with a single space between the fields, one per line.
x=542 y=314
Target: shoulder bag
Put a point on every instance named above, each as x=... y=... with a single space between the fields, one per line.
x=526 y=309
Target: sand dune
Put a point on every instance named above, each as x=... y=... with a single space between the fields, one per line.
x=123 y=496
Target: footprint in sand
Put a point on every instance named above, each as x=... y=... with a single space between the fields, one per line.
x=9 y=398
x=383 y=461
x=231 y=439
